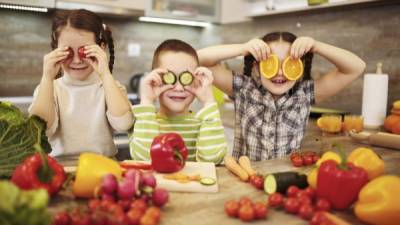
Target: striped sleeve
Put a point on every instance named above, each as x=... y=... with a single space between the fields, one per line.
x=211 y=143
x=145 y=129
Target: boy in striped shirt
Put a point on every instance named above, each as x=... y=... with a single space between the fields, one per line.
x=202 y=132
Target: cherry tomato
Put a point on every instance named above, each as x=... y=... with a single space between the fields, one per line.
x=309 y=153
x=139 y=204
x=154 y=212
x=260 y=210
x=246 y=213
x=297 y=161
x=134 y=216
x=306 y=212
x=232 y=208
x=301 y=193
x=294 y=154
x=257 y=181
x=245 y=201
x=308 y=160
x=147 y=220
x=322 y=205
x=310 y=192
x=61 y=218
x=275 y=200
x=93 y=204
x=315 y=158
x=291 y=205
x=292 y=191
x=304 y=200
x=318 y=218
x=81 y=52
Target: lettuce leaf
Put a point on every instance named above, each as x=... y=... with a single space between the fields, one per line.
x=20 y=137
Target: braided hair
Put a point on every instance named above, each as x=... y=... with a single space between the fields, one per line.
x=283 y=36
x=85 y=20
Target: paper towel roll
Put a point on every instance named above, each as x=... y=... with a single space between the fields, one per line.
x=375 y=94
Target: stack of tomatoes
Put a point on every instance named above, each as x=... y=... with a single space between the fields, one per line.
x=246 y=210
x=307 y=158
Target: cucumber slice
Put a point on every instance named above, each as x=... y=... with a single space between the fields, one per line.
x=169 y=78
x=207 y=181
x=280 y=182
x=186 y=78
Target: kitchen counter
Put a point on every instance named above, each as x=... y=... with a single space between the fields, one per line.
x=200 y=208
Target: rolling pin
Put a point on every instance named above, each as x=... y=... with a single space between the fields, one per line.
x=382 y=139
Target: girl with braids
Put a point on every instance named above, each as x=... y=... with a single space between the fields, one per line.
x=271 y=114
x=77 y=96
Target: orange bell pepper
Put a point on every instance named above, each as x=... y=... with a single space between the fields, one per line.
x=369 y=160
x=91 y=169
x=378 y=201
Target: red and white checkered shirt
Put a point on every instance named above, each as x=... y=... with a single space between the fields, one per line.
x=265 y=128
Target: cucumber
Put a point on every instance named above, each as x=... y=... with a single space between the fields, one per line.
x=169 y=78
x=207 y=181
x=279 y=182
x=186 y=78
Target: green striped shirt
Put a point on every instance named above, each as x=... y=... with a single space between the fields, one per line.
x=203 y=132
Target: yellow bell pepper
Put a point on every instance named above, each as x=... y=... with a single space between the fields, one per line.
x=368 y=160
x=379 y=201
x=91 y=169
x=312 y=178
x=327 y=156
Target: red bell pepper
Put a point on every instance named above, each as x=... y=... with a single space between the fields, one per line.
x=168 y=153
x=340 y=183
x=39 y=171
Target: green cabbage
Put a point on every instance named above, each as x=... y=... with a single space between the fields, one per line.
x=20 y=137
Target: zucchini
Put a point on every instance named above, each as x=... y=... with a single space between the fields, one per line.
x=186 y=78
x=279 y=182
x=169 y=78
x=207 y=181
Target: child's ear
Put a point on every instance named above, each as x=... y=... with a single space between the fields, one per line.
x=103 y=45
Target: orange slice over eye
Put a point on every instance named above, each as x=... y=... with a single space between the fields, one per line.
x=269 y=67
x=292 y=68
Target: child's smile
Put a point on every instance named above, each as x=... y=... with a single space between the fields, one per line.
x=279 y=80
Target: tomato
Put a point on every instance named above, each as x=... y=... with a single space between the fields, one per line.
x=309 y=153
x=154 y=212
x=297 y=161
x=260 y=210
x=246 y=212
x=301 y=193
x=306 y=212
x=294 y=154
x=93 y=204
x=315 y=158
x=308 y=160
x=148 y=220
x=61 y=218
x=318 y=218
x=292 y=191
x=139 y=204
x=275 y=200
x=125 y=204
x=232 y=208
x=304 y=200
x=245 y=201
x=310 y=192
x=322 y=204
x=81 y=52
x=134 y=216
x=291 y=205
x=257 y=181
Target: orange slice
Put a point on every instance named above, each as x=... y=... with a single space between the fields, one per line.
x=292 y=68
x=269 y=67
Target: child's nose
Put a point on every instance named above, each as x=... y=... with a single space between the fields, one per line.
x=179 y=86
x=280 y=71
x=76 y=58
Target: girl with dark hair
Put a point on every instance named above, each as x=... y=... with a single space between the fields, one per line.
x=77 y=96
x=271 y=112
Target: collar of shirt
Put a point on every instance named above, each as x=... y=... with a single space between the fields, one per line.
x=91 y=79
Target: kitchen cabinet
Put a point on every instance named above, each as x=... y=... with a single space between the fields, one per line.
x=115 y=7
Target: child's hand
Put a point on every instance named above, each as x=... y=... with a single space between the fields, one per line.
x=151 y=86
x=97 y=58
x=258 y=48
x=202 y=85
x=301 y=46
x=52 y=62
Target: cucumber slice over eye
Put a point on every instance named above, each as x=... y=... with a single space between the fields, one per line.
x=169 y=78
x=186 y=78
x=207 y=181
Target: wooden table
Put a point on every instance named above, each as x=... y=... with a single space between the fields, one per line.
x=199 y=208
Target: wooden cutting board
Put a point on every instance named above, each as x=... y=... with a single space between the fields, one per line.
x=204 y=169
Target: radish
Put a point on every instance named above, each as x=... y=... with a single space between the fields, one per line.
x=107 y=197
x=149 y=180
x=109 y=184
x=126 y=189
x=132 y=174
x=160 y=197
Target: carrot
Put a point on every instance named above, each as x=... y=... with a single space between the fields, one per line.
x=245 y=163
x=235 y=168
x=335 y=219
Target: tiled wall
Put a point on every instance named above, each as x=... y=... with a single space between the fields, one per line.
x=372 y=33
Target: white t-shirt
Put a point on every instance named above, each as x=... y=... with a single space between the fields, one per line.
x=82 y=122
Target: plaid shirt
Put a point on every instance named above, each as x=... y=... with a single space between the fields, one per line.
x=267 y=129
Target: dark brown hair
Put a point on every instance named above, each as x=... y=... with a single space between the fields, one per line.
x=284 y=36
x=85 y=20
x=173 y=45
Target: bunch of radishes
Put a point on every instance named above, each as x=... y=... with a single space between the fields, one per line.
x=135 y=184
